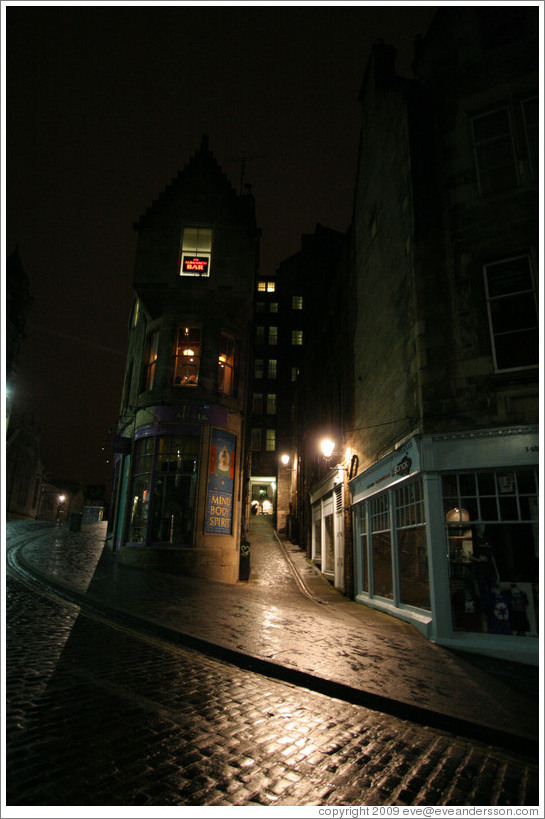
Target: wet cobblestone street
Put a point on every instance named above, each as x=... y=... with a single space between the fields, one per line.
x=99 y=715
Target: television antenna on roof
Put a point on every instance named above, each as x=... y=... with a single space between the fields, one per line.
x=243 y=160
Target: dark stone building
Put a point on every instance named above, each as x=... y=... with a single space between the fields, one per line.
x=445 y=505
x=23 y=462
x=179 y=484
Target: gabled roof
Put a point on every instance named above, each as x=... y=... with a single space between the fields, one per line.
x=201 y=179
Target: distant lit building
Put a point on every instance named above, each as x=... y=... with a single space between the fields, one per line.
x=179 y=477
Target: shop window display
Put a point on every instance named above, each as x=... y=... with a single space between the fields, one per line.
x=491 y=520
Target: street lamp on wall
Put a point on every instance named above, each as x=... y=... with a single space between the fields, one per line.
x=285 y=459
x=327 y=446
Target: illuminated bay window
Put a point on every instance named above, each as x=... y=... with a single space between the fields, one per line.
x=151 y=359
x=196 y=252
x=187 y=356
x=226 y=365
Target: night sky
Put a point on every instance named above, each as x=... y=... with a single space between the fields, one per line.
x=104 y=105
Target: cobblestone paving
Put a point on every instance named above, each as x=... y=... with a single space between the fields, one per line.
x=98 y=716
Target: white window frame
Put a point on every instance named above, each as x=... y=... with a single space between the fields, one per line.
x=196 y=242
x=490 y=299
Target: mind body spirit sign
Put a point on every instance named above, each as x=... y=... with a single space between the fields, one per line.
x=221 y=479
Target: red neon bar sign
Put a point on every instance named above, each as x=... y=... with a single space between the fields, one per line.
x=197 y=265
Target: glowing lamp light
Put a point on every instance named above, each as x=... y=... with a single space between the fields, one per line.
x=61 y=498
x=285 y=459
x=188 y=351
x=457 y=515
x=327 y=446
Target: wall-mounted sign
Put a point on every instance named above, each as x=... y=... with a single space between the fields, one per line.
x=221 y=480
x=195 y=265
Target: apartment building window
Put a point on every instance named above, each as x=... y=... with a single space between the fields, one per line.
x=259 y=334
x=296 y=337
x=273 y=335
x=258 y=368
x=151 y=359
x=226 y=365
x=273 y=307
x=512 y=312
x=294 y=373
x=271 y=368
x=257 y=403
x=187 y=356
x=530 y=114
x=494 y=154
x=256 y=439
x=296 y=302
x=196 y=252
x=266 y=286
x=270 y=440
x=271 y=403
x=260 y=307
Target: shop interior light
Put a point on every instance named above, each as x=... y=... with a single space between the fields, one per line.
x=457 y=515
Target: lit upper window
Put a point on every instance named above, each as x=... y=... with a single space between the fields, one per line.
x=296 y=302
x=273 y=335
x=226 y=365
x=296 y=337
x=187 y=357
x=196 y=252
x=271 y=287
x=271 y=368
x=261 y=287
x=151 y=360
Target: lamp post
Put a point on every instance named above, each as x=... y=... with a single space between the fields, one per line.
x=61 y=501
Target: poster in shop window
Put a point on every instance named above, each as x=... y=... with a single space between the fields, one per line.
x=221 y=479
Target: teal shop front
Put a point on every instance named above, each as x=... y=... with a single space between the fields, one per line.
x=446 y=537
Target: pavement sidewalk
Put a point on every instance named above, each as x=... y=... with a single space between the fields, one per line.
x=287 y=621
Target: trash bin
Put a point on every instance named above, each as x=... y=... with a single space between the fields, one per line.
x=75 y=521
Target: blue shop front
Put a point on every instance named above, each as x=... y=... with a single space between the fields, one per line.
x=446 y=537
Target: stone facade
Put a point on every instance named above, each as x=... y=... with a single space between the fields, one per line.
x=179 y=491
